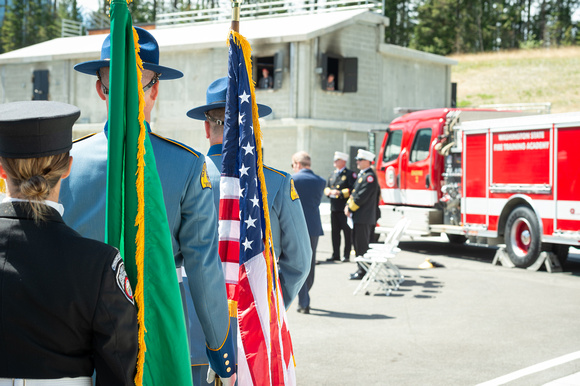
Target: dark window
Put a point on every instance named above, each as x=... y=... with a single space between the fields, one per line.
x=269 y=71
x=420 y=149
x=393 y=146
x=338 y=73
x=40 y=85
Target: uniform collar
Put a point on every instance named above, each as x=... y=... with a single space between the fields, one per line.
x=21 y=210
x=54 y=205
x=340 y=170
x=215 y=149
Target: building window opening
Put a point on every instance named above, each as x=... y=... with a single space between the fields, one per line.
x=338 y=73
x=265 y=72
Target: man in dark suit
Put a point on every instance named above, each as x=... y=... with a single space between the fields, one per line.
x=338 y=189
x=310 y=188
x=362 y=206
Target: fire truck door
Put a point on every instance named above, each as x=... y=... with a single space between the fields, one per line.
x=389 y=167
x=417 y=188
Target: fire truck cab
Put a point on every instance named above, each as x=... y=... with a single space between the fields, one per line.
x=506 y=180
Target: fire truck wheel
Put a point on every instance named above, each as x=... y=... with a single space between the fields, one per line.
x=522 y=237
x=456 y=239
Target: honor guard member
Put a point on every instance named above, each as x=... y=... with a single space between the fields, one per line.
x=289 y=230
x=188 y=201
x=362 y=206
x=338 y=189
x=67 y=305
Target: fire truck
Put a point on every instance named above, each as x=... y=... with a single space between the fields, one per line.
x=510 y=180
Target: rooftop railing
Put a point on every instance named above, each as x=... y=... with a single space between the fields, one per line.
x=267 y=9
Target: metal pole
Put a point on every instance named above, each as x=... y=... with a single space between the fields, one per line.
x=236 y=5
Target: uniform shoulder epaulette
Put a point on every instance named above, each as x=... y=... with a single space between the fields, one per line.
x=82 y=138
x=179 y=144
x=283 y=174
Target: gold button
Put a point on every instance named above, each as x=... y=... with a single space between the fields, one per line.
x=229 y=369
x=225 y=355
x=227 y=363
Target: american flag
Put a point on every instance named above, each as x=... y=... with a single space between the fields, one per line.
x=264 y=347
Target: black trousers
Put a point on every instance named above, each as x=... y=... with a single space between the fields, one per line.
x=361 y=235
x=338 y=224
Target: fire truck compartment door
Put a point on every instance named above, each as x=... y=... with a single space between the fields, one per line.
x=416 y=186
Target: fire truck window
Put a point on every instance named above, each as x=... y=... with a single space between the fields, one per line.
x=393 y=146
x=420 y=149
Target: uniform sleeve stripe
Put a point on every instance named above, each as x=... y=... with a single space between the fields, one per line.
x=176 y=143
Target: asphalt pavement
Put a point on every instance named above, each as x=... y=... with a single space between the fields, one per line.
x=467 y=322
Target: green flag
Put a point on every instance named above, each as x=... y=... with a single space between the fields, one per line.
x=136 y=218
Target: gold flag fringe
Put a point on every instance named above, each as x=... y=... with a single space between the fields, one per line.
x=140 y=219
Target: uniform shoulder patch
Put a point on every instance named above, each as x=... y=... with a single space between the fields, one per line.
x=293 y=192
x=122 y=280
x=205 y=182
x=370 y=178
x=354 y=175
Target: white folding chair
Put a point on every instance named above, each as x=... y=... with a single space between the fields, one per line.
x=377 y=262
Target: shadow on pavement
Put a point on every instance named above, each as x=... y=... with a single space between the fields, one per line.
x=347 y=315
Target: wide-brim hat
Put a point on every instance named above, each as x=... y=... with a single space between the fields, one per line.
x=365 y=155
x=215 y=98
x=149 y=54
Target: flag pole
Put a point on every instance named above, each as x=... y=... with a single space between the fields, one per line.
x=236 y=5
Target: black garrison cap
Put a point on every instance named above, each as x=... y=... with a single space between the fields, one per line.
x=34 y=129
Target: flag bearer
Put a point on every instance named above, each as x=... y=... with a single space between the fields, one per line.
x=289 y=230
x=188 y=200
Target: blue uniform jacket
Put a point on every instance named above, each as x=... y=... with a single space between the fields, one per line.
x=192 y=221
x=289 y=230
x=310 y=187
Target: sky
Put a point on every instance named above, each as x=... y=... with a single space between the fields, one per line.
x=92 y=5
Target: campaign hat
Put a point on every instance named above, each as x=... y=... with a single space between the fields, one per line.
x=365 y=155
x=148 y=52
x=340 y=155
x=215 y=98
x=33 y=129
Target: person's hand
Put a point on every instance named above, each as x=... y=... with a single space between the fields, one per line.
x=346 y=211
x=335 y=193
x=231 y=381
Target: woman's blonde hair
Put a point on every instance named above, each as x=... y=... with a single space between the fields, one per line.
x=33 y=178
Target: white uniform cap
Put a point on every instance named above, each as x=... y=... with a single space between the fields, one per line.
x=340 y=155
x=365 y=154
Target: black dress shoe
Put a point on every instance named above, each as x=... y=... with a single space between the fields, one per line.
x=303 y=310
x=357 y=276
x=345 y=259
x=333 y=259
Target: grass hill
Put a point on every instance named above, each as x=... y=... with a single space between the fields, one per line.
x=523 y=76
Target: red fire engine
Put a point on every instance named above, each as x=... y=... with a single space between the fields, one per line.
x=505 y=180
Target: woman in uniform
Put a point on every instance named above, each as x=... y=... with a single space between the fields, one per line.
x=66 y=306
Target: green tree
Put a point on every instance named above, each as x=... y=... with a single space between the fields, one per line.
x=401 y=23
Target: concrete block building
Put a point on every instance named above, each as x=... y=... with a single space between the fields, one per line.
x=371 y=78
